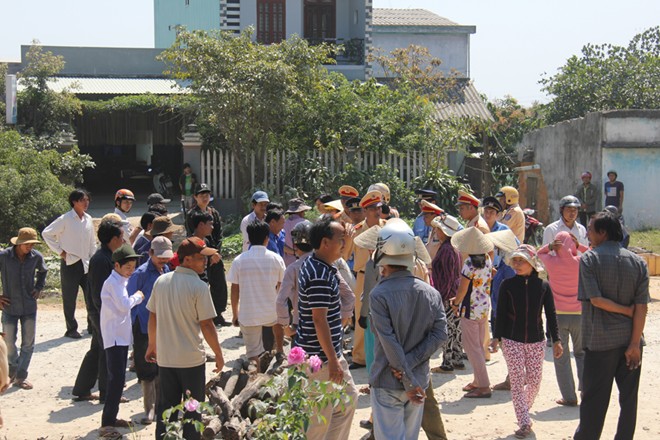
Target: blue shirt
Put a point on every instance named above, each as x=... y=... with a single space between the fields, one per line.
x=420 y=229
x=142 y=246
x=143 y=279
x=276 y=243
x=18 y=280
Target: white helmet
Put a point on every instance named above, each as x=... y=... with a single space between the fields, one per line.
x=396 y=244
x=383 y=189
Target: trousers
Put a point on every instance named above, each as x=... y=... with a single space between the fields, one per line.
x=72 y=278
x=525 y=365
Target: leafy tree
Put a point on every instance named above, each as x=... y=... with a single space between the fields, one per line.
x=606 y=77
x=3 y=73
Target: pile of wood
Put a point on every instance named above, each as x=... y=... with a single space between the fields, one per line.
x=234 y=393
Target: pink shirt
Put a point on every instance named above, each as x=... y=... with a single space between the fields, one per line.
x=563 y=267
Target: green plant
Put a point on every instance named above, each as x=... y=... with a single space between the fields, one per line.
x=174 y=418
x=445 y=184
x=232 y=245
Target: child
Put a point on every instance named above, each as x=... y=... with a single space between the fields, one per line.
x=187 y=184
x=519 y=327
x=117 y=334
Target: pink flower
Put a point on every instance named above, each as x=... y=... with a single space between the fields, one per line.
x=315 y=363
x=191 y=405
x=296 y=356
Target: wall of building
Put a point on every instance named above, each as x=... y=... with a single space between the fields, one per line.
x=196 y=14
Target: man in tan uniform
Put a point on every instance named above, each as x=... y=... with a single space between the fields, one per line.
x=468 y=209
x=429 y=212
x=513 y=215
x=346 y=192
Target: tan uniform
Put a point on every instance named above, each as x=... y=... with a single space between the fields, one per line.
x=433 y=243
x=514 y=218
x=479 y=223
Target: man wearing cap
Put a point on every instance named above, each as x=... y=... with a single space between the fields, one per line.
x=614 y=191
x=346 y=192
x=23 y=278
x=513 y=215
x=588 y=195
x=260 y=203
x=568 y=211
x=400 y=374
x=355 y=211
x=296 y=214
x=429 y=212
x=143 y=280
x=180 y=310
x=420 y=228
x=468 y=209
x=71 y=236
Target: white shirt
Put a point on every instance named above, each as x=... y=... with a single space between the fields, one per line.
x=554 y=228
x=244 y=223
x=257 y=271
x=73 y=235
x=116 y=305
x=126 y=228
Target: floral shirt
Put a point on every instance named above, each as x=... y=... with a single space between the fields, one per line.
x=478 y=297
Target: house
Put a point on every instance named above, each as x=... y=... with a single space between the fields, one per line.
x=628 y=141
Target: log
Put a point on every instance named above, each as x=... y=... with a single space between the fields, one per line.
x=233 y=379
x=220 y=400
x=240 y=384
x=235 y=429
x=212 y=429
x=219 y=380
x=240 y=401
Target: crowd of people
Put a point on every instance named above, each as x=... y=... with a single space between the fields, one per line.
x=467 y=286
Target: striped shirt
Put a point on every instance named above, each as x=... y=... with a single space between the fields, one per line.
x=318 y=288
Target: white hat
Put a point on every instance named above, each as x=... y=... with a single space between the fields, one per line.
x=471 y=241
x=448 y=224
x=504 y=240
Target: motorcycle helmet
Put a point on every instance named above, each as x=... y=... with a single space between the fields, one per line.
x=395 y=245
x=510 y=193
x=383 y=189
x=300 y=233
x=612 y=209
x=124 y=194
x=570 y=201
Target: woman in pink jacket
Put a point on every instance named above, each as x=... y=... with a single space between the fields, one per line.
x=562 y=262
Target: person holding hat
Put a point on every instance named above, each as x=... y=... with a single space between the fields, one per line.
x=472 y=304
x=468 y=209
x=513 y=215
x=71 y=236
x=143 y=280
x=23 y=271
x=187 y=185
x=420 y=228
x=116 y=332
x=614 y=191
x=296 y=214
x=181 y=312
x=519 y=330
x=588 y=195
x=568 y=211
x=260 y=203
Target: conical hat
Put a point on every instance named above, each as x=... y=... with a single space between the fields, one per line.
x=504 y=240
x=471 y=241
x=421 y=252
x=368 y=239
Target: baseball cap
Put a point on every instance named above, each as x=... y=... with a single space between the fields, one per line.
x=157 y=198
x=260 y=196
x=162 y=247
x=193 y=245
x=123 y=252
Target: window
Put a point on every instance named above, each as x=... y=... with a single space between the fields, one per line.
x=320 y=20
x=270 y=21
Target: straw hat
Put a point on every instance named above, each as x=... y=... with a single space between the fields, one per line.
x=368 y=239
x=25 y=236
x=334 y=205
x=503 y=240
x=421 y=252
x=448 y=224
x=528 y=253
x=471 y=241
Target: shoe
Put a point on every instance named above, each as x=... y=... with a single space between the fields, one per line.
x=366 y=424
x=355 y=366
x=443 y=369
x=504 y=386
x=476 y=394
x=523 y=432
x=87 y=398
x=120 y=423
x=458 y=366
x=73 y=334
x=567 y=402
x=220 y=321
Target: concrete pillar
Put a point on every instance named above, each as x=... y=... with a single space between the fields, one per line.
x=192 y=150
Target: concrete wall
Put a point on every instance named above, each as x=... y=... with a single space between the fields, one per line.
x=197 y=14
x=294 y=18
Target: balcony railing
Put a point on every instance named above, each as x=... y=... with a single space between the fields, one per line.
x=351 y=51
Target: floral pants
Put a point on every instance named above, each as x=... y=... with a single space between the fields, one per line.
x=453 y=348
x=525 y=365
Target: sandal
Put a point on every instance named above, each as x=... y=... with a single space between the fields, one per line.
x=470 y=387
x=443 y=369
x=23 y=384
x=523 y=432
x=476 y=394
x=109 y=432
x=86 y=398
x=567 y=402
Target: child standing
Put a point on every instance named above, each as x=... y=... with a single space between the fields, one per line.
x=519 y=327
x=116 y=330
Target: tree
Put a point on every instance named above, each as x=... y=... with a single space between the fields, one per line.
x=606 y=77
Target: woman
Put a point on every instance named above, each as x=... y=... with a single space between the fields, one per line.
x=563 y=267
x=472 y=304
x=519 y=327
x=446 y=273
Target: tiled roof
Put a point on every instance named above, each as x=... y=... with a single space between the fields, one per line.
x=409 y=17
x=466 y=102
x=114 y=86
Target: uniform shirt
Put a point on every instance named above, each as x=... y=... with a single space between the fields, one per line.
x=73 y=235
x=18 y=280
x=257 y=271
x=420 y=229
x=143 y=279
x=318 y=288
x=116 y=308
x=180 y=301
x=609 y=271
x=409 y=325
x=514 y=218
x=479 y=222
x=556 y=227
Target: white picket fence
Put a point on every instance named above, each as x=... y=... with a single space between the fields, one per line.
x=218 y=167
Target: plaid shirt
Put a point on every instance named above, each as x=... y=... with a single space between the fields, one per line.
x=611 y=272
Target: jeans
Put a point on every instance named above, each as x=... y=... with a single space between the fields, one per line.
x=116 y=363
x=19 y=363
x=395 y=417
x=173 y=384
x=569 y=325
x=72 y=278
x=601 y=368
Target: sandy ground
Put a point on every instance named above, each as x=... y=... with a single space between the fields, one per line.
x=47 y=411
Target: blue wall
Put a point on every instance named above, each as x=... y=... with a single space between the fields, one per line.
x=197 y=14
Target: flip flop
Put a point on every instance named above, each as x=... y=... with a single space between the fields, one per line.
x=476 y=394
x=87 y=398
x=470 y=387
x=109 y=432
x=23 y=384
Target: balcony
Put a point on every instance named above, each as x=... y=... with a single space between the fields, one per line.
x=351 y=51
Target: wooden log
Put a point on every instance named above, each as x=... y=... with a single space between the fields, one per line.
x=240 y=384
x=235 y=429
x=240 y=401
x=212 y=429
x=233 y=379
x=220 y=400
x=219 y=380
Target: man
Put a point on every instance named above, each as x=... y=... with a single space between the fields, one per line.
x=260 y=203
x=614 y=191
x=296 y=215
x=275 y=221
x=20 y=265
x=429 y=212
x=403 y=346
x=568 y=211
x=320 y=328
x=492 y=209
x=71 y=236
x=124 y=199
x=255 y=278
x=180 y=309
x=157 y=199
x=468 y=209
x=143 y=280
x=187 y=185
x=614 y=289
x=513 y=215
x=93 y=366
x=346 y=192
x=587 y=194
x=355 y=211
x=420 y=228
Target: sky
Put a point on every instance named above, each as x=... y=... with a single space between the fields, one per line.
x=517 y=41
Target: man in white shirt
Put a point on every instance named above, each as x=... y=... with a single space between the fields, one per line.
x=260 y=203
x=124 y=199
x=256 y=276
x=71 y=236
x=568 y=211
